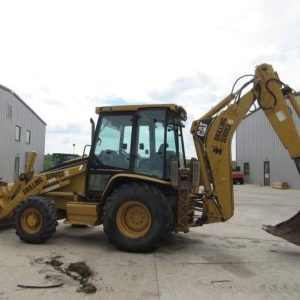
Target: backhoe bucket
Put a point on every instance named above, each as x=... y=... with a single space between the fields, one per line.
x=288 y=230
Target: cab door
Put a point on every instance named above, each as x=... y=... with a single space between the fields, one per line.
x=111 y=152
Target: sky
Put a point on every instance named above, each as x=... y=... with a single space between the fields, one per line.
x=64 y=58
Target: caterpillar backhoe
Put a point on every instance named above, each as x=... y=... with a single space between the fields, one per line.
x=135 y=180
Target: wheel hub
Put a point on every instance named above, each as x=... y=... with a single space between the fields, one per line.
x=31 y=220
x=133 y=219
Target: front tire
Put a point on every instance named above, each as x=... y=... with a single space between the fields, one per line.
x=137 y=217
x=36 y=220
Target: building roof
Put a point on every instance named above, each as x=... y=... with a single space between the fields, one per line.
x=26 y=105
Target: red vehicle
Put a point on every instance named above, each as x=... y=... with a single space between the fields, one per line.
x=238 y=176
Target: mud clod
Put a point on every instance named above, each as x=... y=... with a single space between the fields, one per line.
x=87 y=288
x=80 y=268
x=55 y=262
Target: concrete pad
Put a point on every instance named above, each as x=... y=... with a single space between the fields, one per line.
x=232 y=260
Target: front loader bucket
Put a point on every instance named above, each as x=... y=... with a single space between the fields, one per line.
x=288 y=230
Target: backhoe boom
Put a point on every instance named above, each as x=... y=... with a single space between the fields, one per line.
x=213 y=134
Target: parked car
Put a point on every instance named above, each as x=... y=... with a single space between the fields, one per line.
x=238 y=176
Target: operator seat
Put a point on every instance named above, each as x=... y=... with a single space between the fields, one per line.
x=113 y=159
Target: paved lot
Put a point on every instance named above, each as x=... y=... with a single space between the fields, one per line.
x=232 y=260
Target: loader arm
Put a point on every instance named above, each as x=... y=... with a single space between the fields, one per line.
x=51 y=183
x=213 y=133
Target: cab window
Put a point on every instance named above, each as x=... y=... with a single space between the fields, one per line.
x=113 y=144
x=150 y=143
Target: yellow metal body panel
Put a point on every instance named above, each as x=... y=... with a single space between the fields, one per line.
x=130 y=176
x=219 y=156
x=83 y=213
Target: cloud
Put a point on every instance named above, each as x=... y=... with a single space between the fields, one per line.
x=182 y=86
x=44 y=89
x=109 y=100
x=64 y=129
x=53 y=102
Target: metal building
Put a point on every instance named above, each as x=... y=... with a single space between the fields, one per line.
x=260 y=154
x=21 y=131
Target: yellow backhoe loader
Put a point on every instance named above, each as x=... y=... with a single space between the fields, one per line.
x=135 y=180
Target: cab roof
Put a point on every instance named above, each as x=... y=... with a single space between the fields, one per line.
x=120 y=108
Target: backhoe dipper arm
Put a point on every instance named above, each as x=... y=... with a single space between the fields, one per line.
x=213 y=134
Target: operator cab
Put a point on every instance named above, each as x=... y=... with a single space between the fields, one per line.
x=136 y=140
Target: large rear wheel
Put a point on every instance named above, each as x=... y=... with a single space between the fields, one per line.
x=137 y=216
x=36 y=220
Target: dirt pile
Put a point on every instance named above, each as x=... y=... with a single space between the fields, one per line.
x=78 y=271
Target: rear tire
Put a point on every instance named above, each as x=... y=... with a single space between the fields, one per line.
x=137 y=217
x=241 y=181
x=36 y=220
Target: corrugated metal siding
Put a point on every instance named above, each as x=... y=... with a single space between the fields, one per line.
x=256 y=142
x=9 y=148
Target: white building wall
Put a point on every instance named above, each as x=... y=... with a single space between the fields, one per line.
x=27 y=119
x=256 y=142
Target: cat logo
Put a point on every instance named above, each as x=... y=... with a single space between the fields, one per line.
x=202 y=129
